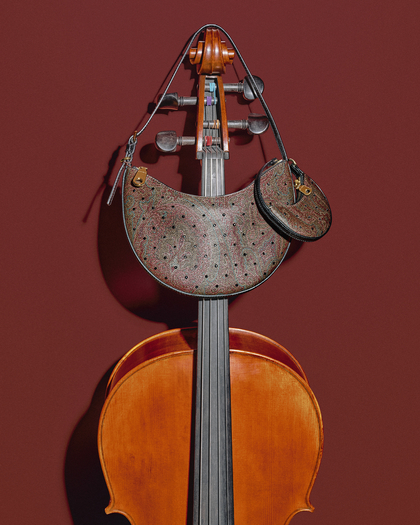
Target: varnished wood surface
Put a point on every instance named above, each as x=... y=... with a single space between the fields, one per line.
x=276 y=452
x=200 y=117
x=211 y=55
x=180 y=339
x=223 y=117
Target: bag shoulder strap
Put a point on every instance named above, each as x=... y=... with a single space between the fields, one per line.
x=132 y=142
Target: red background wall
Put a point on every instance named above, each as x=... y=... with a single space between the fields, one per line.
x=342 y=81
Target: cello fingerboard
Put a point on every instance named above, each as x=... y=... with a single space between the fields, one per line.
x=213 y=480
x=213 y=476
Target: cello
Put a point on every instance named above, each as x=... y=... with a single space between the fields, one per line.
x=208 y=425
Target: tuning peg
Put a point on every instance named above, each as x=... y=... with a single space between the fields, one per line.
x=167 y=141
x=245 y=88
x=173 y=101
x=255 y=124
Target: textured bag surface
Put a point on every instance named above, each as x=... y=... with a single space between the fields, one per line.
x=204 y=246
x=306 y=217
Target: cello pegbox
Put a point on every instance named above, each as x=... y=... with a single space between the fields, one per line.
x=212 y=55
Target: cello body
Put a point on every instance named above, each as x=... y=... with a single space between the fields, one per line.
x=146 y=431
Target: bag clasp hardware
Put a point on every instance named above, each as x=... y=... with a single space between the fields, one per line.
x=139 y=177
x=306 y=190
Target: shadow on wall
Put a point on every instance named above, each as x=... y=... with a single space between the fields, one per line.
x=87 y=492
x=129 y=283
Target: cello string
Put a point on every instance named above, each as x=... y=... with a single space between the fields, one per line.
x=214 y=482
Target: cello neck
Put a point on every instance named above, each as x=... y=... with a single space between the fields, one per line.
x=213 y=478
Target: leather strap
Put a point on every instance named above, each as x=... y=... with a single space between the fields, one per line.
x=131 y=144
